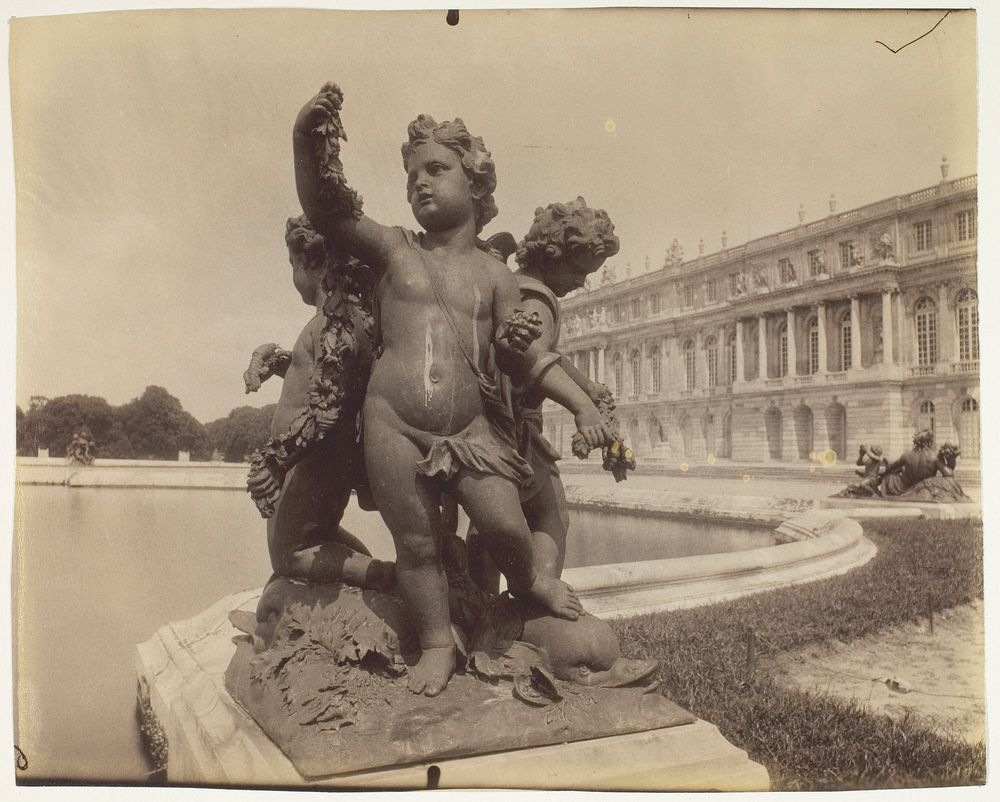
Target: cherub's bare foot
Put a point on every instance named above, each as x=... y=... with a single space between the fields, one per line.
x=556 y=596
x=433 y=670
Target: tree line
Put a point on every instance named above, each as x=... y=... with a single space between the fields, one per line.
x=152 y=426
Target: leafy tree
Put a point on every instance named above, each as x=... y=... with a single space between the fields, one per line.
x=51 y=424
x=242 y=432
x=157 y=427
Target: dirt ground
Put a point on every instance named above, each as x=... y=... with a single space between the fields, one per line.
x=938 y=678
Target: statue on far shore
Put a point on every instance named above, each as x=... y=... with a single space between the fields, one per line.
x=78 y=452
x=872 y=466
x=918 y=475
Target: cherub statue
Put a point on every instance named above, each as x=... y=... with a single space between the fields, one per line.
x=872 y=467
x=760 y=279
x=434 y=420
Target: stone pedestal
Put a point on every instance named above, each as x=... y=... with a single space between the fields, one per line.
x=211 y=740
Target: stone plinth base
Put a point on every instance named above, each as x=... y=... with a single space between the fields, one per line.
x=212 y=741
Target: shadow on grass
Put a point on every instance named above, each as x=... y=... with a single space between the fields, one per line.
x=811 y=741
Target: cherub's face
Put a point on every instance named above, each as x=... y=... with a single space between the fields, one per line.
x=571 y=273
x=437 y=187
x=305 y=279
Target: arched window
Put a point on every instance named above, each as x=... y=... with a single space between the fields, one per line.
x=654 y=369
x=814 y=346
x=636 y=374
x=689 y=365
x=925 y=317
x=618 y=366
x=845 y=342
x=712 y=361
x=783 y=349
x=731 y=350
x=925 y=416
x=968 y=326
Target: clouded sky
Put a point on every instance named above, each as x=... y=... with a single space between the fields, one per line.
x=154 y=172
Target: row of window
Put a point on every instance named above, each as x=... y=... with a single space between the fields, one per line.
x=925 y=319
x=923 y=240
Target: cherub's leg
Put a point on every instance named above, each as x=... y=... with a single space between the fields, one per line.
x=410 y=506
x=482 y=569
x=548 y=517
x=492 y=504
x=304 y=536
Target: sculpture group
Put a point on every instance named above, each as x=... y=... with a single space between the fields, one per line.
x=418 y=384
x=920 y=474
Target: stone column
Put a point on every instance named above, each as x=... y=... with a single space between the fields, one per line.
x=946 y=333
x=700 y=366
x=600 y=365
x=856 y=331
x=792 y=350
x=761 y=347
x=888 y=357
x=740 y=375
x=821 y=326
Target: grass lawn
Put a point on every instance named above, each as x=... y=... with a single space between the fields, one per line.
x=811 y=741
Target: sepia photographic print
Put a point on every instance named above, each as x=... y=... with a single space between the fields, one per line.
x=544 y=399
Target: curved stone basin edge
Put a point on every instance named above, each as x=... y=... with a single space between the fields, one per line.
x=831 y=544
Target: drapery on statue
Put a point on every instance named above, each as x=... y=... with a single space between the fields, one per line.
x=915 y=475
x=78 y=452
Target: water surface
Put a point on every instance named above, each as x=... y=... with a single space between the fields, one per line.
x=101 y=569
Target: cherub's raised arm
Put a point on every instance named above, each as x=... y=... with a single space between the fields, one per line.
x=333 y=207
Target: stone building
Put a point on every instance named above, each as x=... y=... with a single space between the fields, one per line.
x=857 y=328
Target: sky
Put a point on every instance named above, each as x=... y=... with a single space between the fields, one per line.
x=152 y=152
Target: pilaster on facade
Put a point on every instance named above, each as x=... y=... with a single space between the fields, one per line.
x=867 y=266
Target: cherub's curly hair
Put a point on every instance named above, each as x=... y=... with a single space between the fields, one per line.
x=563 y=229
x=301 y=237
x=923 y=439
x=476 y=159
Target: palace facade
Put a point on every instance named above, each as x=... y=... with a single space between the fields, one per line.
x=858 y=328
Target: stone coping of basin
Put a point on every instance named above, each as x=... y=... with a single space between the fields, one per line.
x=761 y=510
x=821 y=543
x=211 y=740
x=756 y=510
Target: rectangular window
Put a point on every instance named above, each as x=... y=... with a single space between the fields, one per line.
x=654 y=304
x=846 y=254
x=619 y=313
x=711 y=290
x=965 y=224
x=689 y=368
x=654 y=370
x=734 y=283
x=712 y=362
x=926 y=338
x=689 y=296
x=968 y=333
x=814 y=351
x=845 y=344
x=815 y=262
x=922 y=239
x=786 y=271
x=636 y=308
